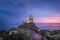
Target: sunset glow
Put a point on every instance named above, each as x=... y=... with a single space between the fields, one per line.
x=48 y=20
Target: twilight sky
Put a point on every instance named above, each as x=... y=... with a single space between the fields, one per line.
x=17 y=11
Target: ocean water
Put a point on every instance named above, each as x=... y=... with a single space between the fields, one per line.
x=48 y=26
x=42 y=26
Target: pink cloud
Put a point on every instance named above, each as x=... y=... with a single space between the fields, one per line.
x=52 y=19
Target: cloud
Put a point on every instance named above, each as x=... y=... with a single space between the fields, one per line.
x=51 y=19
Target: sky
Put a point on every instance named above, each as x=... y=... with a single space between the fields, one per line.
x=16 y=11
